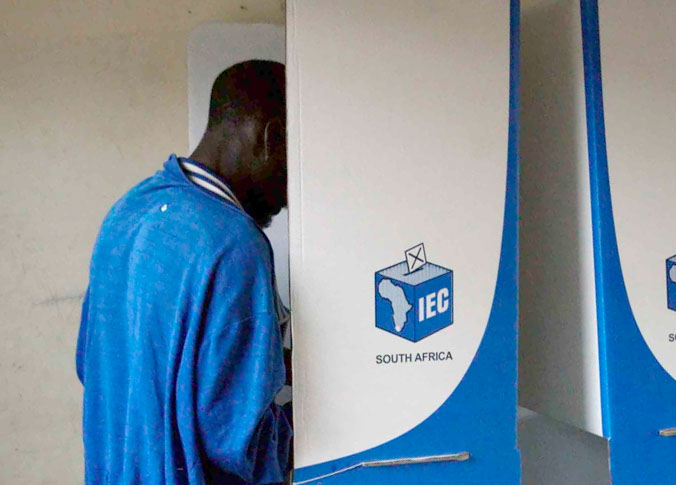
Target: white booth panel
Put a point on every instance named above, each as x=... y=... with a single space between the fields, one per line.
x=397 y=133
x=638 y=58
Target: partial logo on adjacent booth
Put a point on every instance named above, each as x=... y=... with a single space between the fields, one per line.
x=414 y=298
x=671 y=283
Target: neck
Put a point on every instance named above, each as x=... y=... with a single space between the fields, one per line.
x=228 y=151
x=221 y=158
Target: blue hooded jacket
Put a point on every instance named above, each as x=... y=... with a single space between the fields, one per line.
x=180 y=347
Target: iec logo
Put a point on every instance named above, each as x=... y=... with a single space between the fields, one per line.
x=414 y=298
x=671 y=283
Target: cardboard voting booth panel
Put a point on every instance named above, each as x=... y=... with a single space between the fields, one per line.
x=623 y=387
x=630 y=74
x=402 y=131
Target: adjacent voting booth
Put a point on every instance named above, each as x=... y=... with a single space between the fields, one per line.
x=612 y=371
x=403 y=189
x=630 y=75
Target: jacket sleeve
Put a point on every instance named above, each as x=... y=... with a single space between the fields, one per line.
x=81 y=339
x=240 y=370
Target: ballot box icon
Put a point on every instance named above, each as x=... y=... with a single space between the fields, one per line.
x=414 y=304
x=671 y=283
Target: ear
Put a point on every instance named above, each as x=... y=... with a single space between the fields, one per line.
x=274 y=136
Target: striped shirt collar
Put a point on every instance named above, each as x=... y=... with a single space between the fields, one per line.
x=208 y=180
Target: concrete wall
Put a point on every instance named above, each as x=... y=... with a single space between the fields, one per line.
x=93 y=97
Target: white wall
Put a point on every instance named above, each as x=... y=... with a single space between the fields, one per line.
x=93 y=97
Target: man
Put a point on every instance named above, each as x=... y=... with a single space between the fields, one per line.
x=180 y=346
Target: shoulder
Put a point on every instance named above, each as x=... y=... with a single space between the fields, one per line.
x=187 y=222
x=215 y=226
x=236 y=231
x=245 y=247
x=232 y=243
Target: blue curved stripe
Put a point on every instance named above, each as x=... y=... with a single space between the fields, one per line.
x=638 y=395
x=480 y=415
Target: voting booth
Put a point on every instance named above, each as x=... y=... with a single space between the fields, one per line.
x=611 y=371
x=402 y=133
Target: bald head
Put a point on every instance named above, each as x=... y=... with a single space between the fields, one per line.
x=248 y=89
